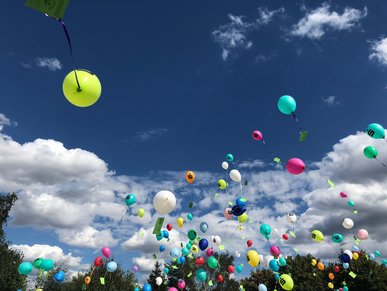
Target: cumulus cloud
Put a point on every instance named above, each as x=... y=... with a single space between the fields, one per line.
x=52 y=64
x=317 y=22
x=379 y=51
x=252 y=164
x=331 y=101
x=266 y=15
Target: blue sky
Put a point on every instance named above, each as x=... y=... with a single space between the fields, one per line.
x=183 y=85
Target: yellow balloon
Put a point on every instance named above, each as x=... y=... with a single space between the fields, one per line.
x=141 y=212
x=286 y=282
x=314 y=262
x=355 y=256
x=243 y=218
x=330 y=285
x=222 y=184
x=180 y=222
x=252 y=258
x=195 y=249
x=317 y=235
x=89 y=92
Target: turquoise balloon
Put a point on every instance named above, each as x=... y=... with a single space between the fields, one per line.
x=345 y=288
x=265 y=230
x=375 y=130
x=189 y=216
x=47 y=265
x=166 y=271
x=201 y=275
x=337 y=238
x=282 y=262
x=184 y=251
x=370 y=152
x=25 y=268
x=377 y=253
x=239 y=269
x=273 y=265
x=286 y=104
x=351 y=203
x=230 y=157
x=130 y=199
x=384 y=262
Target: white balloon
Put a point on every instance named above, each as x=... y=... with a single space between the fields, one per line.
x=164 y=202
x=159 y=281
x=291 y=217
x=225 y=165
x=347 y=223
x=235 y=176
x=237 y=254
x=216 y=239
x=262 y=287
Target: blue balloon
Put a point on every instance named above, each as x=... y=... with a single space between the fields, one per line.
x=372 y=257
x=237 y=211
x=159 y=236
x=136 y=289
x=203 y=244
x=185 y=251
x=355 y=249
x=175 y=252
x=276 y=277
x=344 y=258
x=345 y=265
x=262 y=287
x=241 y=202
x=162 y=248
x=182 y=260
x=230 y=157
x=59 y=277
x=147 y=287
x=203 y=227
x=384 y=262
x=166 y=271
x=273 y=265
x=111 y=266
x=165 y=234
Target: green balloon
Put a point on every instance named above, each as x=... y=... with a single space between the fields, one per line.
x=25 y=268
x=201 y=275
x=222 y=184
x=337 y=238
x=188 y=246
x=375 y=130
x=185 y=251
x=192 y=234
x=370 y=152
x=286 y=104
x=47 y=265
x=37 y=263
x=212 y=262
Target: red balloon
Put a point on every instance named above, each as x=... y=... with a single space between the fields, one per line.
x=230 y=269
x=169 y=226
x=336 y=269
x=295 y=166
x=257 y=135
x=249 y=243
x=199 y=261
x=220 y=278
x=285 y=236
x=98 y=262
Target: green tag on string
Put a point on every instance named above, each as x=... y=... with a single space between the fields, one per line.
x=331 y=183
x=221 y=247
x=352 y=274
x=210 y=283
x=53 y=8
x=158 y=225
x=189 y=275
x=190 y=205
x=303 y=135
x=292 y=234
x=102 y=280
x=277 y=160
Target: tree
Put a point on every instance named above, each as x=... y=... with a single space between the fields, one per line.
x=156 y=272
x=10 y=279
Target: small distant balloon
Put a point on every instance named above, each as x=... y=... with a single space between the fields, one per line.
x=225 y=165
x=106 y=252
x=222 y=184
x=203 y=227
x=141 y=212
x=347 y=223
x=257 y=135
x=343 y=195
x=190 y=177
x=180 y=222
x=317 y=235
x=362 y=234
x=235 y=175
x=295 y=166
x=230 y=158
x=291 y=217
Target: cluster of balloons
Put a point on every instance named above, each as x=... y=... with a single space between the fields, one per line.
x=100 y=261
x=25 y=268
x=375 y=131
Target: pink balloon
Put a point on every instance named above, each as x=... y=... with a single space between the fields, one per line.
x=209 y=252
x=181 y=284
x=172 y=289
x=227 y=215
x=343 y=195
x=275 y=251
x=257 y=135
x=362 y=234
x=295 y=166
x=106 y=252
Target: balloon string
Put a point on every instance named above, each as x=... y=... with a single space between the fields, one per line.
x=268 y=148
x=92 y=271
x=381 y=163
x=234 y=231
x=298 y=123
x=224 y=234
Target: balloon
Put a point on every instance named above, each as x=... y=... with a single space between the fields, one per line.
x=199 y=261
x=370 y=152
x=230 y=158
x=317 y=235
x=345 y=288
x=372 y=257
x=106 y=252
x=111 y=266
x=87 y=280
x=249 y=243
x=336 y=269
x=166 y=271
x=159 y=236
x=209 y=252
x=194 y=249
x=159 y=281
x=384 y=262
x=189 y=216
x=286 y=104
x=182 y=260
x=172 y=289
x=265 y=230
x=98 y=262
x=273 y=265
x=276 y=277
x=235 y=176
x=282 y=262
x=362 y=234
x=241 y=202
x=192 y=234
x=37 y=263
x=237 y=211
x=320 y=266
x=169 y=226
x=220 y=279
x=347 y=223
x=377 y=253
x=262 y=287
x=375 y=130
x=291 y=217
x=90 y=88
x=25 y=268
x=286 y=282
x=285 y=236
x=141 y=212
x=243 y=218
x=201 y=275
x=184 y=251
x=314 y=262
x=216 y=239
x=190 y=177
x=275 y=251
x=181 y=284
x=257 y=135
x=344 y=258
x=227 y=213
x=355 y=256
x=47 y=265
x=59 y=277
x=203 y=227
x=343 y=195
x=295 y=166
x=330 y=285
x=135 y=268
x=331 y=276
x=345 y=265
x=165 y=234
x=355 y=248
x=130 y=199
x=147 y=287
x=230 y=269
x=222 y=184
x=164 y=202
x=351 y=203
x=180 y=222
x=203 y=244
x=337 y=238
x=212 y=262
x=252 y=258
x=225 y=165
x=239 y=269
x=162 y=248
x=237 y=254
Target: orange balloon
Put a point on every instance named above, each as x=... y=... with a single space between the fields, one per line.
x=87 y=280
x=331 y=276
x=320 y=266
x=190 y=176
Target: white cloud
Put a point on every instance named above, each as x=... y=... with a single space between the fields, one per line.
x=379 y=51
x=53 y=64
x=266 y=15
x=150 y=134
x=331 y=100
x=145 y=264
x=87 y=237
x=252 y=164
x=317 y=22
